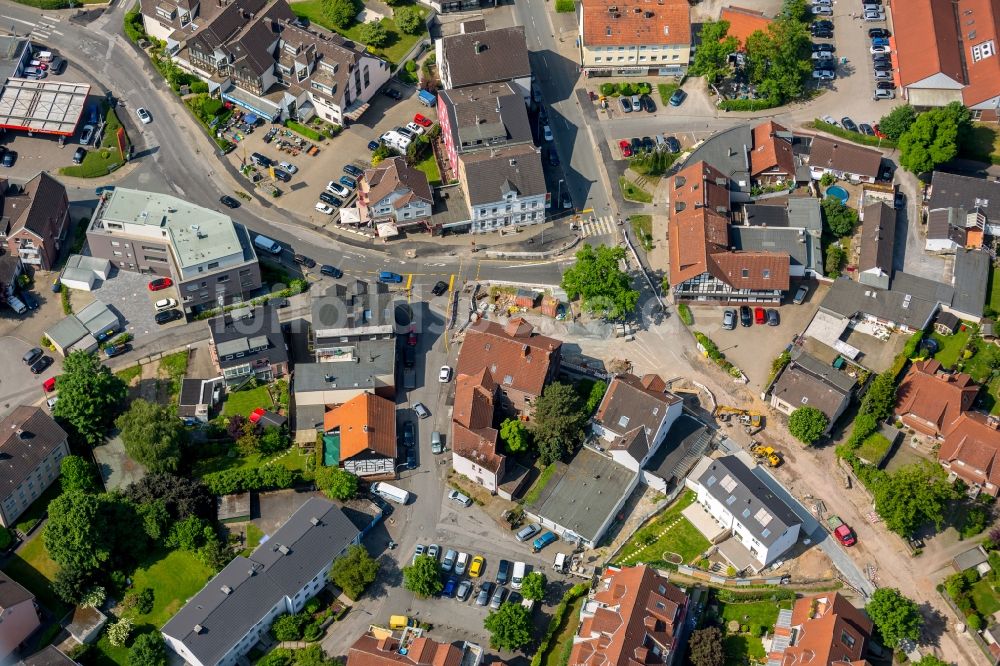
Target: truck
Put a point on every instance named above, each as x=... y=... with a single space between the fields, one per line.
x=267 y=245
x=841 y=530
x=391 y=492
x=427 y=98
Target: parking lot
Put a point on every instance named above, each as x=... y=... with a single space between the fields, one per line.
x=752 y=349
x=350 y=146
x=128 y=295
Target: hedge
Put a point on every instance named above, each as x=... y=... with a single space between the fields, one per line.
x=558 y=616
x=748 y=104
x=775 y=594
x=134 y=28
x=855 y=137
x=684 y=312
x=46 y=4
x=267 y=477
x=307 y=132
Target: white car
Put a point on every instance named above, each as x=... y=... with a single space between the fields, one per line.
x=822 y=10
x=289 y=167
x=547 y=132
x=445 y=375
x=333 y=187
x=874 y=16
x=415 y=128
x=51 y=402
x=324 y=208
x=144 y=115
x=165 y=304
x=86 y=135
x=824 y=74
x=822 y=55
x=880 y=50
x=830 y=120
x=883 y=75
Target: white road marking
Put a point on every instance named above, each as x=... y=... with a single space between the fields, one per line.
x=11 y=18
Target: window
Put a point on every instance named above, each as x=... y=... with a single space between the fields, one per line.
x=767 y=274
x=212 y=265
x=745 y=272
x=847 y=639
x=223 y=278
x=115 y=244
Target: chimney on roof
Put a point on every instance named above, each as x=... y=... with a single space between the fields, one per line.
x=478 y=46
x=314 y=520
x=198 y=629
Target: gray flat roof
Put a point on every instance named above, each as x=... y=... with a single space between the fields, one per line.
x=581 y=495
x=802 y=248
x=376 y=358
x=727 y=152
x=48 y=107
x=11 y=51
x=97 y=317
x=972 y=271
x=67 y=331
x=243 y=593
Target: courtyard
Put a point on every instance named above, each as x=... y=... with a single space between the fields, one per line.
x=666 y=541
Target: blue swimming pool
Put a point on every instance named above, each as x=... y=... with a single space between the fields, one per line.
x=837 y=192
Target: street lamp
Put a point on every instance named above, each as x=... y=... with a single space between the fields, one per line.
x=559 y=194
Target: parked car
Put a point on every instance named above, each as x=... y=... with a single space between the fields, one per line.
x=439 y=288
x=144 y=115
x=463 y=590
x=673 y=145
x=86 y=135
x=449 y=560
x=167 y=316
x=31 y=356
x=626 y=104
x=848 y=124
x=626 y=148
x=677 y=98
x=444 y=376
x=648 y=144
x=408 y=437
x=880 y=50
x=228 y=201
x=824 y=46
x=547 y=133
x=882 y=33
x=824 y=74
x=29 y=299
x=746 y=317
x=498 y=597
x=436 y=445
x=421 y=410
x=881 y=93
x=882 y=75
x=636 y=104
x=373 y=145
x=477 y=566
x=349 y=182
x=79 y=155
x=883 y=85
x=873 y=16
x=420 y=550
x=337 y=189
x=772 y=317
x=165 y=304
x=39 y=366
x=528 y=531
x=332 y=271
x=289 y=167
x=823 y=54
x=880 y=41
x=303 y=260
x=282 y=175
x=636 y=145
x=117 y=350
x=392 y=93
x=759 y=316
x=415 y=128
x=160 y=283
x=503 y=572
x=461 y=563
x=326 y=197
x=352 y=170
x=647 y=103
x=542 y=541
x=459 y=498
x=800 y=295
x=422 y=121
x=485 y=593
x=449 y=587
x=434 y=550
x=324 y=208
x=822 y=10
x=866 y=129
x=729 y=319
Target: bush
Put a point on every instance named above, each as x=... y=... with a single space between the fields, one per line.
x=558 y=616
x=748 y=104
x=854 y=137
x=608 y=89
x=565 y=6
x=199 y=88
x=254 y=478
x=827 y=180
x=134 y=29
x=289 y=627
x=307 y=132
x=684 y=312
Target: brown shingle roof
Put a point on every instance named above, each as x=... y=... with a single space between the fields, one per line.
x=371 y=651
x=366 y=422
x=27 y=436
x=490 y=175
x=770 y=152
x=486 y=56
x=829 y=630
x=973 y=439
x=743 y=22
x=841 y=155
x=33 y=209
x=630 y=410
x=878 y=237
x=395 y=175
x=926 y=40
x=515 y=356
x=752 y=270
x=637 y=609
x=635 y=22
x=929 y=400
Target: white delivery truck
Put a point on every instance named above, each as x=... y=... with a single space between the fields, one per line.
x=266 y=244
x=391 y=492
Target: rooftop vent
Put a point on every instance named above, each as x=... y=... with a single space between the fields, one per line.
x=314 y=520
x=198 y=628
x=513 y=162
x=648 y=15
x=226 y=589
x=283 y=549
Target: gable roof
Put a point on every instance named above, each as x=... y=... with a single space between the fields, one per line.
x=486 y=116
x=366 y=422
x=878 y=238
x=763 y=513
x=807 y=382
x=27 y=437
x=934 y=397
x=847 y=298
x=47 y=656
x=843 y=156
x=12 y=593
x=635 y=22
x=630 y=611
x=973 y=440
x=752 y=270
x=772 y=150
x=743 y=22
x=516 y=357
x=242 y=335
x=485 y=56
x=823 y=630
x=633 y=409
x=491 y=175
x=971 y=277
x=246 y=590
x=369 y=650
x=34 y=208
x=395 y=175
x=983 y=72
x=697 y=224
x=926 y=40
x=473 y=435
x=949 y=190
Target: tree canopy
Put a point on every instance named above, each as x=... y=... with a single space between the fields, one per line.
x=423 y=577
x=148 y=650
x=934 y=138
x=75 y=473
x=152 y=435
x=76 y=535
x=374 y=34
x=509 y=627
x=354 y=571
x=336 y=483
x=533 y=586
x=90 y=396
x=711 y=59
x=896 y=616
x=807 y=424
x=515 y=435
x=181 y=496
x=778 y=59
x=558 y=421
x=881 y=396
x=340 y=13
x=409 y=20
x=896 y=123
x=838 y=218
x=912 y=496
x=599 y=282
x=705 y=647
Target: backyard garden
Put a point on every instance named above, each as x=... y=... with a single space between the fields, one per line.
x=667 y=540
x=965 y=351
x=743 y=618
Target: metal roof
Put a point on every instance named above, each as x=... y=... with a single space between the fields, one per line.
x=972 y=270
x=49 y=107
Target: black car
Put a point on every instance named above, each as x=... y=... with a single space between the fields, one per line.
x=824 y=24
x=882 y=63
x=866 y=129
x=677 y=98
x=117 y=350
x=373 y=145
x=326 y=197
x=899 y=200
x=825 y=46
x=352 y=170
x=283 y=176
x=878 y=32
x=773 y=319
x=409 y=357
x=9 y=158
x=885 y=85
x=823 y=33
x=228 y=201
x=648 y=144
x=503 y=572
x=303 y=260
x=393 y=93
x=79 y=155
x=332 y=271
x=167 y=316
x=848 y=124
x=636 y=145
x=408 y=433
x=746 y=316
x=648 y=104
x=673 y=145
x=279 y=302
x=39 y=366
x=828 y=64
x=29 y=300
x=33 y=355
x=440 y=288
x=58 y=65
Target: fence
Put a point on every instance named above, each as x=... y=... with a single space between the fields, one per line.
x=716 y=579
x=979 y=641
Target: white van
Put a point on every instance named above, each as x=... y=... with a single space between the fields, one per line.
x=560 y=563
x=266 y=244
x=390 y=492
x=518 y=575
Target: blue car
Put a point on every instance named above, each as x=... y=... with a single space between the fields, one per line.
x=348 y=182
x=373 y=145
x=449 y=587
x=880 y=41
x=543 y=541
x=389 y=276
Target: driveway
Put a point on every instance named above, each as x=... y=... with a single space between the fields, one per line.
x=128 y=295
x=17 y=385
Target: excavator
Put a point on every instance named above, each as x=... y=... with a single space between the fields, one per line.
x=765 y=454
x=752 y=421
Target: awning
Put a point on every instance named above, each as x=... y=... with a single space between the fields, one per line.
x=252 y=103
x=251 y=118
x=386 y=229
x=350 y=215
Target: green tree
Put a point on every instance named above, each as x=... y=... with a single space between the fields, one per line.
x=838 y=219
x=597 y=391
x=374 y=34
x=90 y=396
x=152 y=435
x=148 y=650
x=533 y=586
x=75 y=473
x=509 y=627
x=354 y=571
x=289 y=626
x=272 y=440
x=247 y=441
x=597 y=279
x=118 y=632
x=711 y=59
x=558 y=422
x=705 y=647
x=778 y=60
x=896 y=123
x=807 y=424
x=930 y=660
x=337 y=483
x=515 y=435
x=934 y=138
x=835 y=258
x=340 y=13
x=423 y=577
x=881 y=396
x=912 y=496
x=71 y=585
x=187 y=534
x=181 y=496
x=897 y=617
x=409 y=20
x=75 y=535
x=797 y=10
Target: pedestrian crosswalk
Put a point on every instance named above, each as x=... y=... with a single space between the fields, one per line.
x=601 y=226
x=46 y=27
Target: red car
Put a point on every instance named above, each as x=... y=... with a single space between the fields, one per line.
x=878 y=132
x=422 y=121
x=160 y=283
x=49 y=384
x=626 y=148
x=759 y=316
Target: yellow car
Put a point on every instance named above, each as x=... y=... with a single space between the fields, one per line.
x=476 y=568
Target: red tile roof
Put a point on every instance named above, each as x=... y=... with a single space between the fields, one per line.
x=627 y=23
x=972 y=448
x=515 y=356
x=771 y=153
x=743 y=22
x=929 y=399
x=371 y=651
x=472 y=432
x=926 y=40
x=631 y=611
x=366 y=422
x=984 y=74
x=829 y=630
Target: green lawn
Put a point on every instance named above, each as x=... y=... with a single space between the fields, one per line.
x=98 y=162
x=642 y=227
x=993 y=290
x=130 y=373
x=175 y=577
x=254 y=534
x=399 y=43
x=535 y=491
x=564 y=639
x=950 y=346
x=740 y=647
x=985 y=599
x=983 y=144
x=683 y=538
x=244 y=402
x=666 y=90
x=874 y=448
x=32 y=567
x=633 y=192
x=763 y=614
x=430 y=168
x=293 y=459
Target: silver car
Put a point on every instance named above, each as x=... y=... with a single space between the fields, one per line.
x=449 y=560
x=636 y=103
x=729 y=319
x=498 y=597
x=463 y=590
x=418 y=551
x=434 y=550
x=485 y=592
